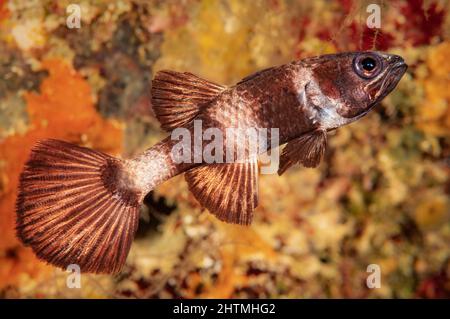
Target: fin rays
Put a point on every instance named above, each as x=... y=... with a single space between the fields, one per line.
x=307 y=149
x=68 y=213
x=178 y=97
x=229 y=191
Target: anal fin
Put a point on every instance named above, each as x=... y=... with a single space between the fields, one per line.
x=229 y=190
x=307 y=149
x=177 y=97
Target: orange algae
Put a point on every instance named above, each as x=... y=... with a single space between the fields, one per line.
x=4 y=12
x=64 y=109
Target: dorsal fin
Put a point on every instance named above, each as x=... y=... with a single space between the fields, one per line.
x=178 y=97
x=307 y=149
x=229 y=190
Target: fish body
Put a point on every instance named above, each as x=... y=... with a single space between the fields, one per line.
x=80 y=206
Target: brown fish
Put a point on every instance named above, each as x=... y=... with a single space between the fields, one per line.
x=80 y=206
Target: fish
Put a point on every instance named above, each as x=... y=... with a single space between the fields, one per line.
x=80 y=206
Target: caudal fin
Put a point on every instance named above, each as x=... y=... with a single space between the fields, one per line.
x=73 y=208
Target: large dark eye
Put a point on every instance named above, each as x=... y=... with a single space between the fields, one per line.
x=367 y=65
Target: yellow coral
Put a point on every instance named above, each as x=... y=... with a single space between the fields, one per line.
x=225 y=41
x=29 y=35
x=434 y=112
x=433 y=210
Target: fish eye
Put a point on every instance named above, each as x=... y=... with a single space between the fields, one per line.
x=367 y=65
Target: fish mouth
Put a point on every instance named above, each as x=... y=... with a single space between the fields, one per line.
x=394 y=73
x=393 y=76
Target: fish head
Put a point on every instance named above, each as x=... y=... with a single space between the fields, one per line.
x=356 y=81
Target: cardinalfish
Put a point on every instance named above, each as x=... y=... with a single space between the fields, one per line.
x=79 y=206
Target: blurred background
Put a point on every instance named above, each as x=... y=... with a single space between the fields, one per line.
x=381 y=196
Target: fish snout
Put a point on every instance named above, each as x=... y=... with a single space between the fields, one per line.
x=397 y=62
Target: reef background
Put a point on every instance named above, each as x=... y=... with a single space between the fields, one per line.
x=381 y=196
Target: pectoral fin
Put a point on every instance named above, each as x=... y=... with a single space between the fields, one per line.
x=307 y=149
x=229 y=191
